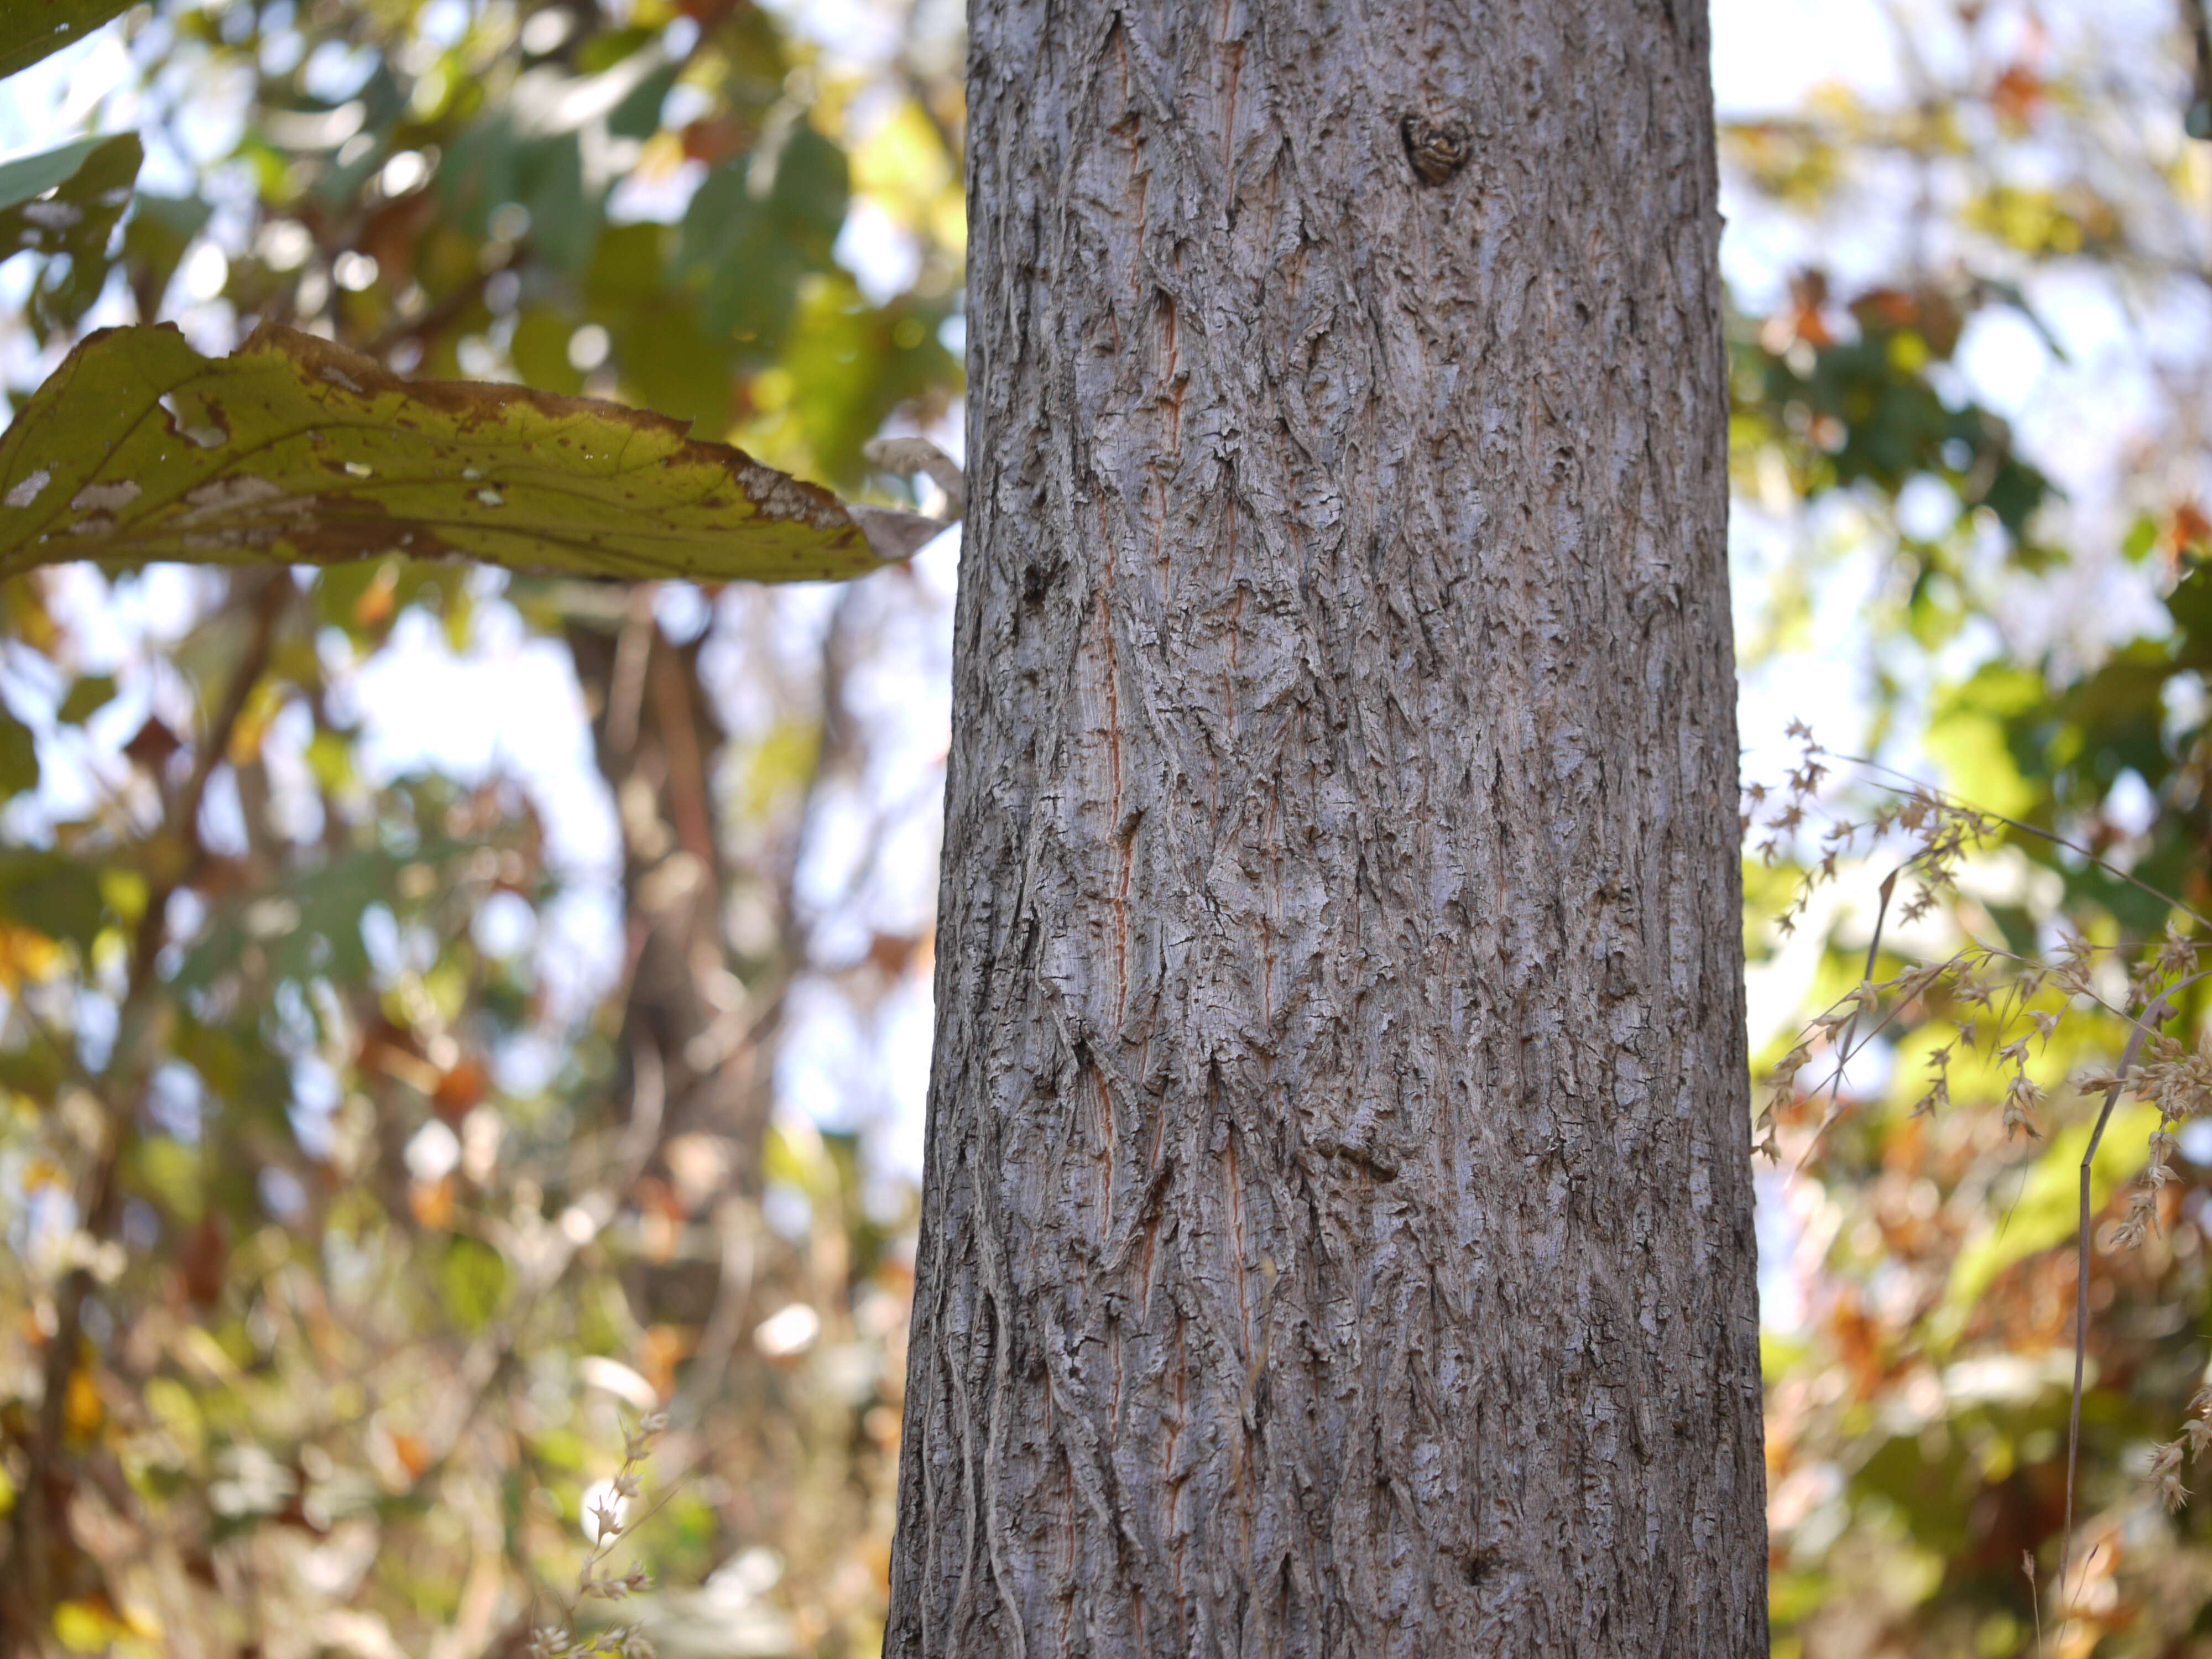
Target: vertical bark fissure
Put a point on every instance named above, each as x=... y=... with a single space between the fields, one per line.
x=1337 y=1224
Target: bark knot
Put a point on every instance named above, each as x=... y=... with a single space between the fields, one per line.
x=1438 y=149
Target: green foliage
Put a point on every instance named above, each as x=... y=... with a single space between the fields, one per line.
x=63 y=205
x=138 y=448
x=473 y=1282
x=30 y=176
x=57 y=896
x=155 y=240
x=1918 y=1399
x=746 y=256
x=2140 y=716
x=340 y=1314
x=86 y=698
x=19 y=757
x=30 y=29
x=330 y=1269
x=1863 y=412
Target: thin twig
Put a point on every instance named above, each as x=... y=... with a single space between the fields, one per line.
x=2154 y=1014
x=2040 y=834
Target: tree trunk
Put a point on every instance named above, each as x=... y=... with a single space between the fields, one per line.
x=1337 y=1229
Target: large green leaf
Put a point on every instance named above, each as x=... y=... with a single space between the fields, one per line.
x=746 y=256
x=29 y=29
x=66 y=201
x=27 y=176
x=160 y=230
x=293 y=449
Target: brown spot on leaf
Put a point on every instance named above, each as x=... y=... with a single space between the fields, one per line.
x=569 y=485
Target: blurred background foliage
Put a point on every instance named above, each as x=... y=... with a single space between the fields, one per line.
x=1970 y=448
x=449 y=1016
x=383 y=1132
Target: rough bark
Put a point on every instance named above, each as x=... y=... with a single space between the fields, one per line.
x=1337 y=1223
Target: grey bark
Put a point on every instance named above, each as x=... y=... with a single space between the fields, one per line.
x=1337 y=1229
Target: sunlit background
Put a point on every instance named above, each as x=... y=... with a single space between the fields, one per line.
x=450 y=1017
